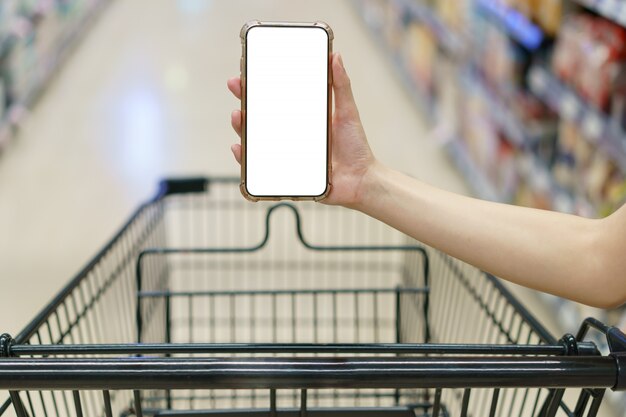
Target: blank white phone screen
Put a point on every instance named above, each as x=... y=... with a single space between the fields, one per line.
x=286 y=111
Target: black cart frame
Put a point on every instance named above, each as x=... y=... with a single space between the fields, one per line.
x=206 y=304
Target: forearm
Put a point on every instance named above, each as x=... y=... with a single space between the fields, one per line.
x=544 y=250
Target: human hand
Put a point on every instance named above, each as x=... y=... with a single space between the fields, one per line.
x=352 y=158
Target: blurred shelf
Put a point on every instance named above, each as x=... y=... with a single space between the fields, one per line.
x=5 y=44
x=614 y=10
x=513 y=22
x=597 y=127
x=449 y=41
x=47 y=67
x=535 y=172
x=63 y=48
x=422 y=99
x=517 y=133
x=478 y=182
x=5 y=132
x=540 y=179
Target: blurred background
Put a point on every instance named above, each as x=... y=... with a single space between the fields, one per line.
x=519 y=101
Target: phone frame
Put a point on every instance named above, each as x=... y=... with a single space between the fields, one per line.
x=243 y=68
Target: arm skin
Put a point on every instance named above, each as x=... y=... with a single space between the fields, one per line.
x=569 y=256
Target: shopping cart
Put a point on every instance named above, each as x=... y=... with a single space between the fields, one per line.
x=207 y=305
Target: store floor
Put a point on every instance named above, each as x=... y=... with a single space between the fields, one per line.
x=144 y=97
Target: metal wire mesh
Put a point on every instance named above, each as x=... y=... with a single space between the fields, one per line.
x=224 y=278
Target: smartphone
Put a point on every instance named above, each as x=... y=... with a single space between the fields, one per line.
x=286 y=110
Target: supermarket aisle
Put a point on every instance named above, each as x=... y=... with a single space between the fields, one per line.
x=144 y=97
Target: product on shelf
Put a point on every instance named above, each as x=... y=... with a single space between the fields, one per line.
x=2 y=99
x=396 y=18
x=9 y=10
x=420 y=52
x=34 y=35
x=22 y=69
x=501 y=60
x=409 y=39
x=568 y=52
x=485 y=143
x=373 y=12
x=519 y=145
x=453 y=13
x=538 y=122
x=589 y=55
x=588 y=172
x=518 y=169
x=548 y=14
x=565 y=161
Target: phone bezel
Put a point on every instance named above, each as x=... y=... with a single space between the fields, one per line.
x=243 y=68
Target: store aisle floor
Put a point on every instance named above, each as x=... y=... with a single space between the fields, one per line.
x=145 y=98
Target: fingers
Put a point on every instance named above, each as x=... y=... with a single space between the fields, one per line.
x=236 y=149
x=234 y=85
x=235 y=121
x=345 y=107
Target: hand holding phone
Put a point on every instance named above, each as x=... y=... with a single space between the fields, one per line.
x=351 y=154
x=286 y=110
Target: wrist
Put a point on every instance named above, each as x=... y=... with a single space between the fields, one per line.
x=370 y=187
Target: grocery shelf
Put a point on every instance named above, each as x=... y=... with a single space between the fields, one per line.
x=518 y=26
x=539 y=178
x=516 y=132
x=535 y=172
x=5 y=44
x=614 y=10
x=448 y=40
x=478 y=182
x=48 y=66
x=422 y=99
x=5 y=131
x=5 y=125
x=596 y=126
x=64 y=47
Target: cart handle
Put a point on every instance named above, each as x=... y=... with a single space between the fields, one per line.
x=616 y=340
x=304 y=373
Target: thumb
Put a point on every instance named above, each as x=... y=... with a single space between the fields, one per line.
x=345 y=107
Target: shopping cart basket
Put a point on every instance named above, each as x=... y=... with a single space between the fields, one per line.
x=205 y=304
